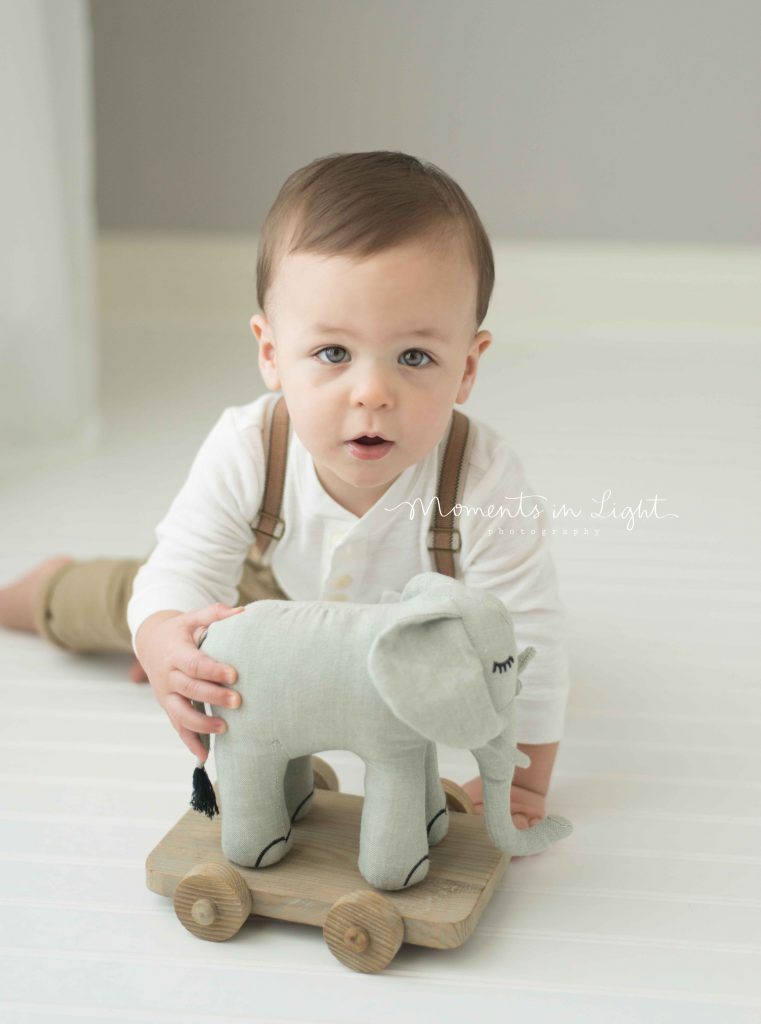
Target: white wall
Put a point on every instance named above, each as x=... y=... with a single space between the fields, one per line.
x=633 y=120
x=48 y=348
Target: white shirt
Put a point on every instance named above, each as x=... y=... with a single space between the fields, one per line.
x=328 y=553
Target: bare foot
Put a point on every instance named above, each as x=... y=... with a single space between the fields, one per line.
x=137 y=672
x=17 y=599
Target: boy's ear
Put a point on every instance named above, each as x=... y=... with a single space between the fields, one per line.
x=477 y=347
x=262 y=331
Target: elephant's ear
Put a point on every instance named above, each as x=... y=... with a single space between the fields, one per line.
x=425 y=669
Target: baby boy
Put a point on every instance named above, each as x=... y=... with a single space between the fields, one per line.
x=374 y=273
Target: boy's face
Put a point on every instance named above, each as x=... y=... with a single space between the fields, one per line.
x=373 y=374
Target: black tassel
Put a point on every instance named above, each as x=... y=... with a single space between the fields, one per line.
x=203 y=799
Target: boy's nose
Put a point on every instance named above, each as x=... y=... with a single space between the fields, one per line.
x=372 y=390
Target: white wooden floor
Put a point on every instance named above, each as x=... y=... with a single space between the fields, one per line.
x=651 y=910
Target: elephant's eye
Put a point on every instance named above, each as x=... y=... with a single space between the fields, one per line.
x=503 y=666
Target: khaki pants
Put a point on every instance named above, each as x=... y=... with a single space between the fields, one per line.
x=83 y=605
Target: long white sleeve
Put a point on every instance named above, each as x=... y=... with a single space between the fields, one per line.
x=518 y=568
x=205 y=536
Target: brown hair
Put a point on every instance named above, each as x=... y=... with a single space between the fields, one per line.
x=359 y=204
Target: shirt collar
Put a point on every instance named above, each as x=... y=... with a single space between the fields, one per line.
x=406 y=487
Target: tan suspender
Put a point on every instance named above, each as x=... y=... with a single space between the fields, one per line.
x=443 y=537
x=268 y=525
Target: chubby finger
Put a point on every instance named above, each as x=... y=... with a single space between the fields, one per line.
x=193 y=742
x=203 y=691
x=198 y=632
x=197 y=665
x=213 y=612
x=184 y=716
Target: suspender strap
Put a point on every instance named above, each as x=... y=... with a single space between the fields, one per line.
x=443 y=537
x=268 y=525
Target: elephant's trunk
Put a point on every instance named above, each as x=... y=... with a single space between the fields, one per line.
x=515 y=841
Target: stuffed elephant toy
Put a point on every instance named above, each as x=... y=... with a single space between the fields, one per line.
x=386 y=681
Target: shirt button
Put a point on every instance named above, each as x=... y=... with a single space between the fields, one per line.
x=341 y=581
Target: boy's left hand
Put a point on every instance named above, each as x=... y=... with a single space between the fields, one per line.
x=526 y=806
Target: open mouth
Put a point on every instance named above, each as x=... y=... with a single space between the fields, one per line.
x=365 y=439
x=369 y=448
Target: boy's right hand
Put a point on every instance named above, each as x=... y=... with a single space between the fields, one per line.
x=166 y=644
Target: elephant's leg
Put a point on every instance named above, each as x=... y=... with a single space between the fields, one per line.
x=436 y=814
x=393 y=843
x=256 y=827
x=299 y=787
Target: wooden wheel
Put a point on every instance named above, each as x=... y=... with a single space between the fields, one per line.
x=457 y=798
x=324 y=776
x=364 y=930
x=212 y=901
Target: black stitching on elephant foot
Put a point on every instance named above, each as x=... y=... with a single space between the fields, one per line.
x=307 y=797
x=409 y=876
x=282 y=839
x=435 y=818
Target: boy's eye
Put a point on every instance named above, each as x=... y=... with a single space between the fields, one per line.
x=331 y=350
x=417 y=352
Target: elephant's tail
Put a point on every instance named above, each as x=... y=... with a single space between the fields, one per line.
x=203 y=798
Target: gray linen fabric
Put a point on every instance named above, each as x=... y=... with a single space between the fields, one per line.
x=436 y=664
